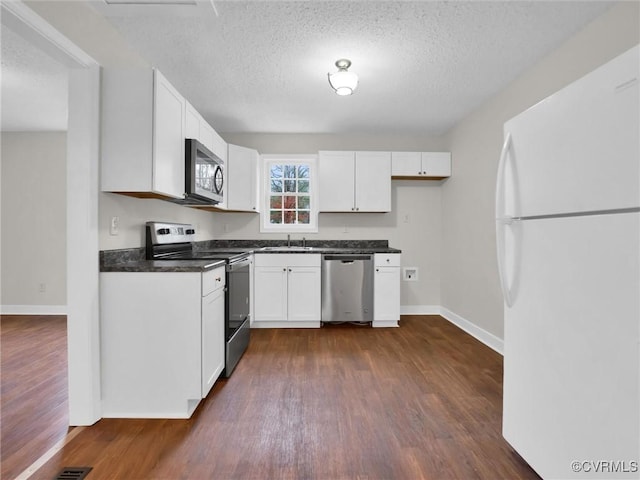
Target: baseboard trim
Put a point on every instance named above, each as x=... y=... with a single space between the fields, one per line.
x=33 y=309
x=420 y=310
x=489 y=339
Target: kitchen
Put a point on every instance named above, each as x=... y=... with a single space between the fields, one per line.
x=455 y=274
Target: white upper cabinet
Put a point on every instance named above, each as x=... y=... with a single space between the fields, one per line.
x=421 y=165
x=355 y=181
x=241 y=173
x=143 y=132
x=197 y=127
x=191 y=122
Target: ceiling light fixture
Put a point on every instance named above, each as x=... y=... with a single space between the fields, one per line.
x=343 y=81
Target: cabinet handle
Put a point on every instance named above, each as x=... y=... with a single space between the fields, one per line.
x=218 y=279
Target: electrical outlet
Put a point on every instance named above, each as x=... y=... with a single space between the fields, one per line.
x=410 y=274
x=42 y=287
x=114 y=226
x=405 y=219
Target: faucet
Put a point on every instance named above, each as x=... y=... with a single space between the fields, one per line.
x=288 y=240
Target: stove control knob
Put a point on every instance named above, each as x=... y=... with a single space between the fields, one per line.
x=163 y=231
x=190 y=231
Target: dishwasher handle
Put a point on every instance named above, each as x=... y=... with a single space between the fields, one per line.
x=346 y=258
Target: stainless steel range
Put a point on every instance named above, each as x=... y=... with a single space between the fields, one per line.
x=174 y=241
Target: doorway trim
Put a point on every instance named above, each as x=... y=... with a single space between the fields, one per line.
x=83 y=136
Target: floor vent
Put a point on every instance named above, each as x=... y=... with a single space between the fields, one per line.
x=73 y=473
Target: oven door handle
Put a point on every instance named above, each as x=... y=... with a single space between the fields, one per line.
x=239 y=264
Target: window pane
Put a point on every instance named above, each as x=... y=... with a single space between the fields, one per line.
x=275 y=216
x=303 y=171
x=290 y=202
x=290 y=171
x=276 y=171
x=275 y=202
x=289 y=216
x=276 y=186
x=303 y=202
x=303 y=217
x=303 y=186
x=289 y=185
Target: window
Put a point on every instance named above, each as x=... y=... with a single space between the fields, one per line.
x=290 y=199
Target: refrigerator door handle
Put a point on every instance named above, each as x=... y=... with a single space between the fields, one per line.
x=500 y=191
x=502 y=220
x=502 y=274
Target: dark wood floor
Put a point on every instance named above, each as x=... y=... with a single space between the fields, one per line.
x=33 y=406
x=422 y=401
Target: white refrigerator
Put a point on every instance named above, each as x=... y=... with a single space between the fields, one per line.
x=568 y=237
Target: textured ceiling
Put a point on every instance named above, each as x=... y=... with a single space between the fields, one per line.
x=34 y=87
x=262 y=66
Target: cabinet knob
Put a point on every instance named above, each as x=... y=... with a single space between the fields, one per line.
x=377 y=269
x=218 y=279
x=388 y=260
x=284 y=269
x=289 y=269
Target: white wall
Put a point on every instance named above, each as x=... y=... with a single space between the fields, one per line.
x=33 y=222
x=134 y=212
x=470 y=286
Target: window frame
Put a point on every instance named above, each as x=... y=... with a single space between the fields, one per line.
x=289 y=159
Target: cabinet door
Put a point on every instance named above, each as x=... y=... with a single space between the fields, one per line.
x=406 y=164
x=386 y=296
x=168 y=138
x=436 y=164
x=191 y=122
x=213 y=342
x=373 y=182
x=270 y=293
x=304 y=290
x=207 y=135
x=337 y=181
x=242 y=177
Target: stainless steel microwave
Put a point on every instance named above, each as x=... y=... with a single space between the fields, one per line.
x=204 y=174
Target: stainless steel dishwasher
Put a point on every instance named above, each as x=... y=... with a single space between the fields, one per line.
x=347 y=288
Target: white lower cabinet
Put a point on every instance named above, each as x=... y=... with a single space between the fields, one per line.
x=212 y=327
x=287 y=289
x=386 y=290
x=162 y=341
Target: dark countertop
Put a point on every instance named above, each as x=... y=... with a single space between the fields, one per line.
x=133 y=259
x=163 y=266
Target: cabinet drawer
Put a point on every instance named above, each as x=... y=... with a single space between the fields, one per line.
x=213 y=280
x=287 y=260
x=387 y=259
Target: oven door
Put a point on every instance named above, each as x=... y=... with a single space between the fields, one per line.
x=237 y=313
x=237 y=295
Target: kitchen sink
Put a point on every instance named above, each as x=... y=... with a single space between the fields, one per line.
x=285 y=248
